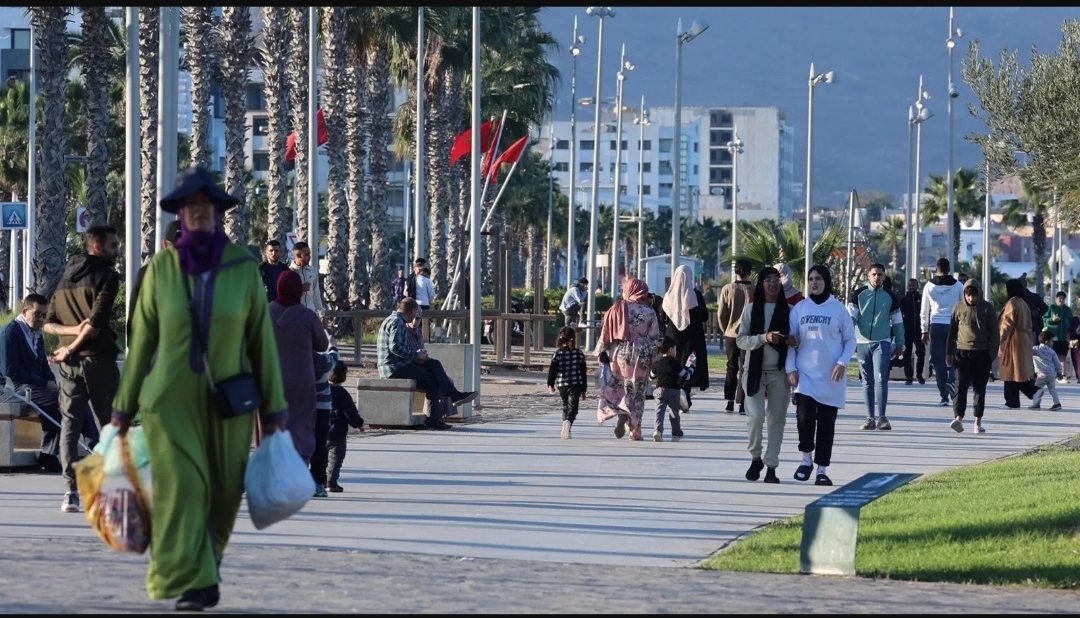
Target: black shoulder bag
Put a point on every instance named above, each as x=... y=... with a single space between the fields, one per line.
x=235 y=396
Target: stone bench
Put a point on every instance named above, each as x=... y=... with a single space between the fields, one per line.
x=20 y=435
x=386 y=402
x=457 y=360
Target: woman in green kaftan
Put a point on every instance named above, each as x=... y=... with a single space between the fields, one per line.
x=197 y=456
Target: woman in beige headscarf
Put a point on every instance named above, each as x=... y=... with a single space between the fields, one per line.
x=630 y=336
x=684 y=306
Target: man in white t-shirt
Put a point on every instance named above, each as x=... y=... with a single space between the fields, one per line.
x=419 y=286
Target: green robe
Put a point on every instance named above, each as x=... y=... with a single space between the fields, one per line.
x=197 y=458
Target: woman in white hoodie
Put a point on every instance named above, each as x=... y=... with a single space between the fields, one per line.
x=817 y=369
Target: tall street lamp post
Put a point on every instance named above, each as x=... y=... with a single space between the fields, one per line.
x=950 y=43
x=624 y=66
x=922 y=114
x=642 y=120
x=696 y=28
x=571 y=242
x=551 y=201
x=735 y=147
x=600 y=12
x=815 y=79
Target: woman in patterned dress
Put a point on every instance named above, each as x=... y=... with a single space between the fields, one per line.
x=630 y=335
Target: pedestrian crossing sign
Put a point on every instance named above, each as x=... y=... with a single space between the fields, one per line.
x=13 y=215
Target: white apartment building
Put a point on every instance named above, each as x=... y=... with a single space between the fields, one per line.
x=706 y=171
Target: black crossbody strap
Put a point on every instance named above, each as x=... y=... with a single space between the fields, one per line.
x=200 y=330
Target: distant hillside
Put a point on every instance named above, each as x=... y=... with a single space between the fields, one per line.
x=762 y=56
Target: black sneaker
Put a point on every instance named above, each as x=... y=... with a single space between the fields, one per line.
x=742 y=411
x=922 y=380
x=754 y=472
x=1055 y=407
x=439 y=426
x=193 y=601
x=770 y=476
x=463 y=398
x=334 y=488
x=908 y=381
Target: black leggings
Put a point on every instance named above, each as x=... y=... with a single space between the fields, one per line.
x=732 y=387
x=571 y=397
x=815 y=418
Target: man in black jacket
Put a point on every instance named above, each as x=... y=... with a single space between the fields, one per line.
x=911 y=309
x=79 y=314
x=172 y=234
x=271 y=268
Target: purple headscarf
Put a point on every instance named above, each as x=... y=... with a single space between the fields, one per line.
x=200 y=251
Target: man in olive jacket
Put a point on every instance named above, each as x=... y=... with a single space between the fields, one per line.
x=971 y=347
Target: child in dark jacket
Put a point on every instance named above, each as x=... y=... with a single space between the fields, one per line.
x=342 y=416
x=669 y=375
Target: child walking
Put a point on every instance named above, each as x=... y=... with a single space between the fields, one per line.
x=343 y=414
x=668 y=376
x=1047 y=369
x=567 y=374
x=324 y=365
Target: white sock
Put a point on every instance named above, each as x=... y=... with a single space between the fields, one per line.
x=822 y=470
x=808 y=459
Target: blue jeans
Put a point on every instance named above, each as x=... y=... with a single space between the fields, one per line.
x=874 y=368
x=945 y=376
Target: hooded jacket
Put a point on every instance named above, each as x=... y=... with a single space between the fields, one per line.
x=87 y=291
x=973 y=327
x=939 y=296
x=877 y=316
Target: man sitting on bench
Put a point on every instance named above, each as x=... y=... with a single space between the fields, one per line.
x=400 y=361
x=23 y=359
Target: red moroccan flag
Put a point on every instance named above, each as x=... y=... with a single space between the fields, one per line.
x=290 y=142
x=510 y=155
x=463 y=142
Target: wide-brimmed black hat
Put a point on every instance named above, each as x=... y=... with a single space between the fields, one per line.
x=192 y=181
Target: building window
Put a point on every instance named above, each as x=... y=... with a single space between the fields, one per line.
x=720 y=118
x=665 y=189
x=256 y=100
x=646 y=146
x=695 y=146
x=562 y=144
x=586 y=144
x=20 y=38
x=720 y=157
x=622 y=145
x=585 y=167
x=665 y=168
x=695 y=170
x=645 y=167
x=665 y=144
x=260 y=126
x=562 y=166
x=646 y=189
x=260 y=161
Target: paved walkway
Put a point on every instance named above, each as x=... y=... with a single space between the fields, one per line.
x=484 y=497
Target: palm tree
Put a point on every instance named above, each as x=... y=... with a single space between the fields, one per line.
x=763 y=243
x=200 y=56
x=276 y=38
x=297 y=69
x=355 y=149
x=14 y=136
x=234 y=34
x=94 y=66
x=335 y=30
x=891 y=237
x=149 y=47
x=50 y=25
x=1032 y=209
x=967 y=202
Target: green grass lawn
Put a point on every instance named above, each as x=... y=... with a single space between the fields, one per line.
x=718 y=365
x=1011 y=521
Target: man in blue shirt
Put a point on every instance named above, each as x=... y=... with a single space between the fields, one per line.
x=399 y=360
x=23 y=359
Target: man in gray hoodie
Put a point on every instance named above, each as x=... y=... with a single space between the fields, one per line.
x=939 y=297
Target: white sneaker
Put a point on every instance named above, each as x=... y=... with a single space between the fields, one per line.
x=957 y=425
x=565 y=430
x=657 y=436
x=70 y=503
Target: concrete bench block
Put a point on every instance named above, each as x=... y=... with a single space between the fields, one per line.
x=457 y=360
x=17 y=445
x=385 y=402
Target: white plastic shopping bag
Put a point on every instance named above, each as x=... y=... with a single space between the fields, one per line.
x=277 y=481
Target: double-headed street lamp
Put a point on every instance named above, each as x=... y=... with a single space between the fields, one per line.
x=624 y=66
x=735 y=147
x=642 y=120
x=571 y=244
x=696 y=28
x=600 y=12
x=815 y=79
x=950 y=43
x=921 y=114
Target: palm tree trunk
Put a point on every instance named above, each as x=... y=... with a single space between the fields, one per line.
x=377 y=97
x=453 y=114
x=277 y=46
x=95 y=31
x=50 y=25
x=335 y=83
x=298 y=101
x=358 y=177
x=236 y=47
x=198 y=23
x=531 y=266
x=1038 y=242
x=438 y=154
x=149 y=47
